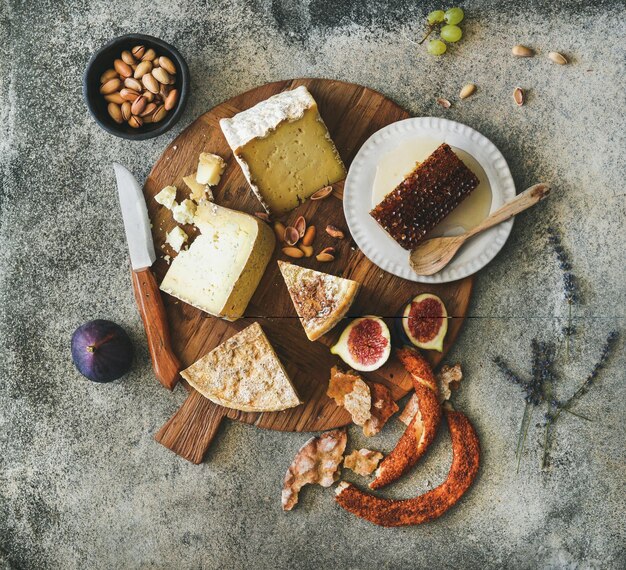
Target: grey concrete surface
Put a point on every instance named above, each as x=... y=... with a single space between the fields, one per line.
x=83 y=484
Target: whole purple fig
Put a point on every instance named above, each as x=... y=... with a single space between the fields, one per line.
x=101 y=350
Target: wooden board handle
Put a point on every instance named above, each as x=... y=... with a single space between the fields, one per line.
x=190 y=431
x=164 y=362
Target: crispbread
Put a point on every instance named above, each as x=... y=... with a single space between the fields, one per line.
x=244 y=373
x=321 y=300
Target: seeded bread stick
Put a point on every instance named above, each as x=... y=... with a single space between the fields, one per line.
x=430 y=505
x=421 y=432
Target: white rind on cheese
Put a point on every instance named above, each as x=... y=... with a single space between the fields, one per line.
x=244 y=373
x=264 y=117
x=223 y=266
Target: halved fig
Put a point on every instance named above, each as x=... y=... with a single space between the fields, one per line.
x=425 y=322
x=365 y=344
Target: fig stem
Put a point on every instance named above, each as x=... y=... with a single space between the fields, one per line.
x=96 y=345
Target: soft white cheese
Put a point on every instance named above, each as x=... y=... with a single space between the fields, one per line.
x=184 y=212
x=167 y=197
x=176 y=238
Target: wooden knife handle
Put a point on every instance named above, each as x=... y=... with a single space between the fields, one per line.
x=165 y=363
x=190 y=431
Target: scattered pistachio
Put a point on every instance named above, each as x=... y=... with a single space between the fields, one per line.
x=557 y=57
x=325 y=257
x=322 y=193
x=291 y=236
x=293 y=252
x=334 y=231
x=444 y=103
x=467 y=91
x=309 y=236
x=519 y=96
x=306 y=249
x=523 y=51
x=300 y=225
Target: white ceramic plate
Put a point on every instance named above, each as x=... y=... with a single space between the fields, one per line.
x=358 y=199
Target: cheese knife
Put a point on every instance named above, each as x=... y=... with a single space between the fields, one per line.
x=141 y=248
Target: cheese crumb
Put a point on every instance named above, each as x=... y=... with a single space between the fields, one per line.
x=198 y=191
x=167 y=259
x=210 y=168
x=167 y=197
x=184 y=212
x=176 y=238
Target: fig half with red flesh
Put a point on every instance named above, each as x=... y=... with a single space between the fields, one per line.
x=365 y=344
x=425 y=322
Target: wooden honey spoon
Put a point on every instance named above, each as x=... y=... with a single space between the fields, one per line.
x=434 y=254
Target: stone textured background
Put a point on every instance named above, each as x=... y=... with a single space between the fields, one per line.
x=83 y=484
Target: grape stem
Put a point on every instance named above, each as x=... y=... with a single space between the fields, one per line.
x=430 y=31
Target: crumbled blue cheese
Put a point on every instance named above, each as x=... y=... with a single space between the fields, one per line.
x=167 y=197
x=184 y=212
x=176 y=238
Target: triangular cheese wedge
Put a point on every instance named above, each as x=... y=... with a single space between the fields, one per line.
x=245 y=374
x=321 y=300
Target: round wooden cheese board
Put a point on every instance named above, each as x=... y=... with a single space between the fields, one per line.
x=352 y=113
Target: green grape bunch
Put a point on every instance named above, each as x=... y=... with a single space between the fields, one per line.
x=449 y=31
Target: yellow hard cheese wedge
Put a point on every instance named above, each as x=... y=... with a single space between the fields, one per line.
x=284 y=149
x=221 y=270
x=245 y=374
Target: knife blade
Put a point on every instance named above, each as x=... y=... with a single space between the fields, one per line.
x=141 y=248
x=136 y=220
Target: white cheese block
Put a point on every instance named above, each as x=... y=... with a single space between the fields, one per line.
x=167 y=197
x=223 y=266
x=184 y=212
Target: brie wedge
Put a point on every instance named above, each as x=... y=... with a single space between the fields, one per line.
x=284 y=149
x=245 y=374
x=222 y=268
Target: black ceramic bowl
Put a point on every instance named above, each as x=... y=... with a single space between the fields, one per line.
x=103 y=60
